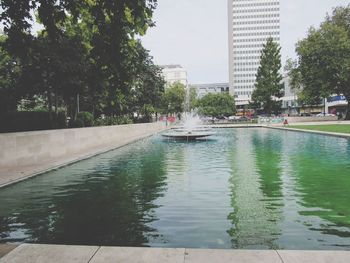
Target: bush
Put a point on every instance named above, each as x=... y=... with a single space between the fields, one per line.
x=84 y=119
x=31 y=121
x=109 y=121
x=78 y=123
x=87 y=118
x=60 y=120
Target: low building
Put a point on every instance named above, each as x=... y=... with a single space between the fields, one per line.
x=204 y=89
x=337 y=104
x=289 y=100
x=174 y=73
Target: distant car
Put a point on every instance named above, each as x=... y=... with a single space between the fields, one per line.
x=325 y=115
x=221 y=118
x=233 y=118
x=243 y=118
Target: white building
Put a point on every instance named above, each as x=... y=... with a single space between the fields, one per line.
x=289 y=100
x=174 y=73
x=251 y=23
x=204 y=89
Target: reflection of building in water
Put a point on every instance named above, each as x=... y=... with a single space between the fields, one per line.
x=193 y=212
x=255 y=217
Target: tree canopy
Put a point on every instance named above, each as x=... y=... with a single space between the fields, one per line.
x=324 y=58
x=217 y=104
x=88 y=55
x=173 y=101
x=268 y=80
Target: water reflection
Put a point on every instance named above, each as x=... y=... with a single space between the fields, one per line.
x=326 y=185
x=255 y=186
x=88 y=205
x=245 y=188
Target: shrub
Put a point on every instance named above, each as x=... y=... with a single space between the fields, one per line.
x=78 y=123
x=60 y=121
x=87 y=118
x=109 y=121
x=31 y=121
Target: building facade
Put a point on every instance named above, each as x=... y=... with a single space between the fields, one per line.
x=251 y=23
x=204 y=89
x=174 y=73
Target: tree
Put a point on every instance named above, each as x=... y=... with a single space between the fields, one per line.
x=86 y=48
x=217 y=104
x=268 y=80
x=173 y=100
x=148 y=86
x=310 y=96
x=193 y=101
x=9 y=72
x=324 y=58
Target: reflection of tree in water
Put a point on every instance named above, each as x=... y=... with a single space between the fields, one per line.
x=256 y=192
x=268 y=162
x=322 y=176
x=106 y=210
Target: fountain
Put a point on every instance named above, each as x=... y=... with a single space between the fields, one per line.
x=190 y=129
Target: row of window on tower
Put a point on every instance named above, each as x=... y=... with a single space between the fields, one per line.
x=251 y=63
x=252 y=51
x=254 y=22
x=262 y=10
x=247 y=93
x=255 y=28
x=245 y=80
x=250 y=34
x=247 y=40
x=249 y=46
x=257 y=16
x=245 y=69
x=255 y=4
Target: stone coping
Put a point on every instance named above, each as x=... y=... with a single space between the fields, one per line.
x=334 y=134
x=29 y=253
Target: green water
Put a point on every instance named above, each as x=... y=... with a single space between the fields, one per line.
x=244 y=188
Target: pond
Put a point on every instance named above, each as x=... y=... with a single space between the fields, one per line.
x=244 y=188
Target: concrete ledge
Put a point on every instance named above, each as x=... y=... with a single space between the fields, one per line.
x=50 y=253
x=139 y=255
x=26 y=154
x=334 y=134
x=6 y=248
x=85 y=254
x=311 y=119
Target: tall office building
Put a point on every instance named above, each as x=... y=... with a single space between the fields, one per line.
x=251 y=23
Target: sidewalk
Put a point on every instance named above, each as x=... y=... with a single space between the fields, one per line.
x=93 y=254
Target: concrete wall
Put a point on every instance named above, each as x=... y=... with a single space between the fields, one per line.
x=311 y=119
x=25 y=153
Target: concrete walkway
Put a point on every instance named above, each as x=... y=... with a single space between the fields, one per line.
x=93 y=254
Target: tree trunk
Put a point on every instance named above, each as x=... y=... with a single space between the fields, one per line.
x=56 y=103
x=49 y=98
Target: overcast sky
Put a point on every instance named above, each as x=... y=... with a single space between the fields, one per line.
x=194 y=33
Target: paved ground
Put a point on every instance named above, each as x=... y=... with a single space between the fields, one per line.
x=94 y=254
x=6 y=248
